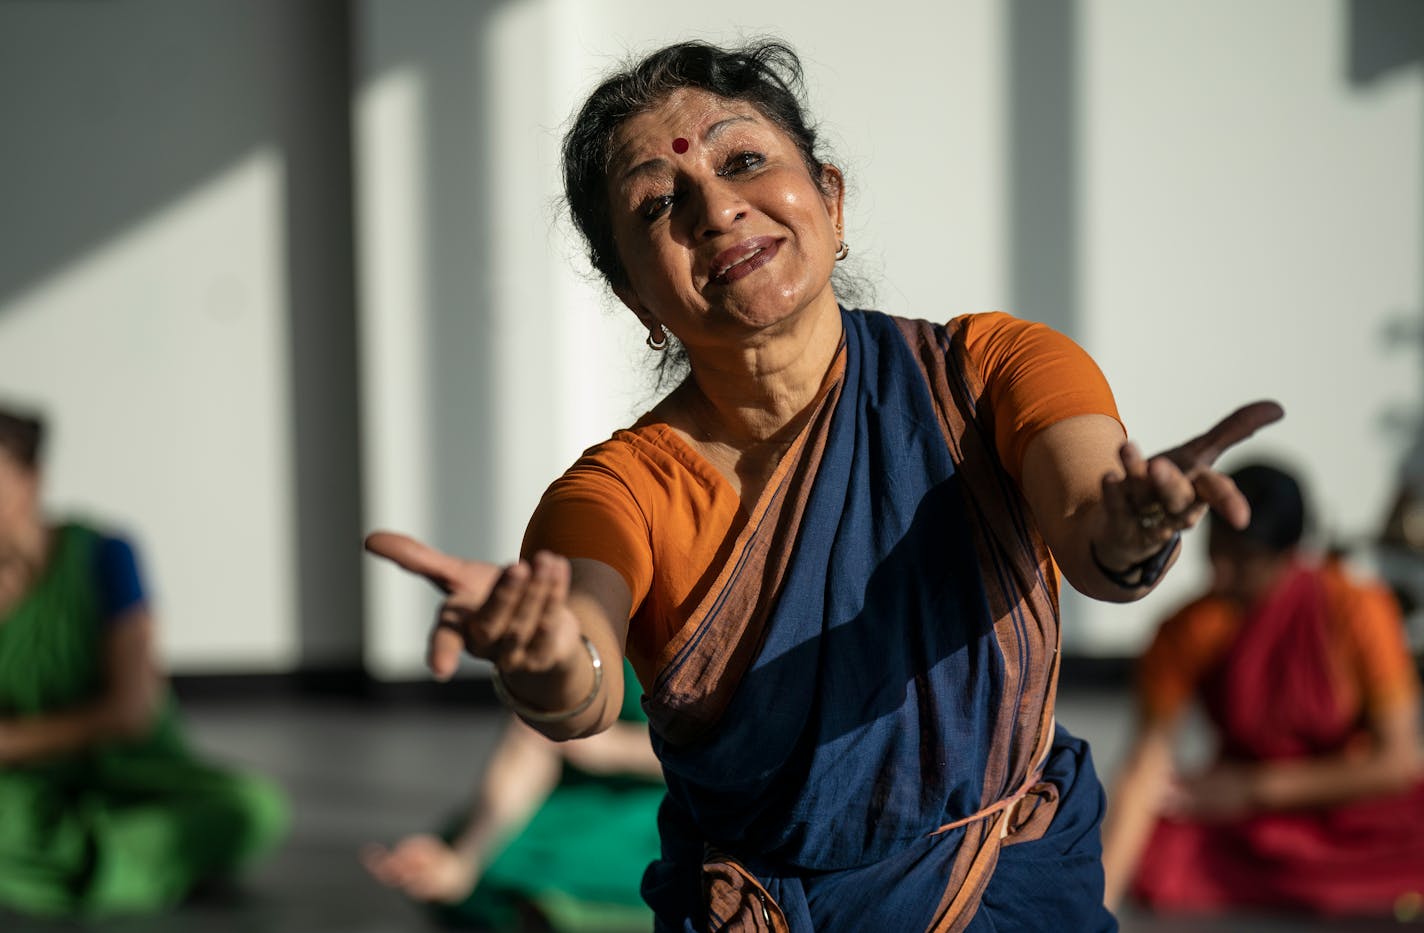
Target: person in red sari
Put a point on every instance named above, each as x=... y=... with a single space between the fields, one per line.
x=1315 y=800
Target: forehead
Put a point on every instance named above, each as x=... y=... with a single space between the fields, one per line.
x=11 y=469
x=686 y=112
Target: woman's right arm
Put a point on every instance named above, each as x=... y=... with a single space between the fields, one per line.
x=133 y=688
x=530 y=619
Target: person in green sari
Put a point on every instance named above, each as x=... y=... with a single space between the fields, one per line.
x=104 y=809
x=557 y=837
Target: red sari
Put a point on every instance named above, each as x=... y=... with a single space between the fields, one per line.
x=1296 y=677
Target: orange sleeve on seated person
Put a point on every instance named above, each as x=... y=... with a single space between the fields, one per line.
x=1369 y=618
x=1184 y=649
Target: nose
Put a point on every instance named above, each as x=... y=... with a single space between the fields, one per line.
x=719 y=207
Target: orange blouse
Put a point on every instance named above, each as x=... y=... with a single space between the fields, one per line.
x=1366 y=639
x=648 y=505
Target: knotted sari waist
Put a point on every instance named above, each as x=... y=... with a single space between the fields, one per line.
x=735 y=899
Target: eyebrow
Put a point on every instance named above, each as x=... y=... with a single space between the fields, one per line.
x=657 y=162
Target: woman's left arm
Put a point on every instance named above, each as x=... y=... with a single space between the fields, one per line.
x=133 y=686
x=1111 y=517
x=1391 y=765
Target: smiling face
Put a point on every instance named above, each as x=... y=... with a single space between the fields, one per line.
x=19 y=502
x=731 y=237
x=1243 y=571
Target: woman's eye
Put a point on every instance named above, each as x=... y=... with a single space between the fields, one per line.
x=653 y=208
x=741 y=162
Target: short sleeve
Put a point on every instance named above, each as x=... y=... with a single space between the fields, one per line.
x=591 y=513
x=1033 y=377
x=1386 y=670
x=1184 y=649
x=120 y=584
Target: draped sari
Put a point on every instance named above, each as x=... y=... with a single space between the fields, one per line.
x=122 y=826
x=856 y=722
x=1288 y=685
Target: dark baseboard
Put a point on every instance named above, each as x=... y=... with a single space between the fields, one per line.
x=354 y=685
x=1077 y=672
x=1095 y=672
x=343 y=684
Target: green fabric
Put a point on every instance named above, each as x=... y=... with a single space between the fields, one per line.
x=126 y=827
x=579 y=861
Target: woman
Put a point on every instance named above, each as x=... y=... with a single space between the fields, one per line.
x=103 y=808
x=826 y=552
x=1317 y=798
x=556 y=838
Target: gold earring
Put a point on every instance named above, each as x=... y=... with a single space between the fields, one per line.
x=842 y=251
x=661 y=341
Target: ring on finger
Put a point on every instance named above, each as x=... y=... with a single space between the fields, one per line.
x=1152 y=516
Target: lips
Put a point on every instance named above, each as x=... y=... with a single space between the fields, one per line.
x=742 y=260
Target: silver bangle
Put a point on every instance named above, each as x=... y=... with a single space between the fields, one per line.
x=525 y=711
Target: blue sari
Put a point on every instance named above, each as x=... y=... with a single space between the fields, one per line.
x=856 y=724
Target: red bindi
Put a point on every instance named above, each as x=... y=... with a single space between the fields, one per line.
x=679 y=145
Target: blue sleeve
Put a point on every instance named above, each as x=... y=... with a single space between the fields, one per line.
x=120 y=588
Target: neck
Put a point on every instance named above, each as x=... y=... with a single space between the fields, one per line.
x=27 y=544
x=751 y=393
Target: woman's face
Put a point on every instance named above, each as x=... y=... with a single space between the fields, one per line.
x=1240 y=571
x=19 y=499
x=728 y=238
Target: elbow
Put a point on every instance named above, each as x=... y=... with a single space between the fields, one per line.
x=132 y=717
x=1402 y=772
x=586 y=724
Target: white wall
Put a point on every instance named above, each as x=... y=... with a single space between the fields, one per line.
x=553 y=365
x=1252 y=228
x=164 y=380
x=1242 y=221
x=173 y=286
x=1236 y=217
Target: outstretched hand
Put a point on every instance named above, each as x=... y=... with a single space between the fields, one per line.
x=1154 y=499
x=516 y=616
x=424 y=867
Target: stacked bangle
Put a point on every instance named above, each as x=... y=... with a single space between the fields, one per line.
x=525 y=711
x=1143 y=573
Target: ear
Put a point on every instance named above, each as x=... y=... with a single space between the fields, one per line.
x=630 y=300
x=832 y=184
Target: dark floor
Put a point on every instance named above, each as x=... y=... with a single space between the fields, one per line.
x=359 y=771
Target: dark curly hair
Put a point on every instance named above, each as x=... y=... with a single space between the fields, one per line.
x=21 y=436
x=765 y=74
x=1278 y=513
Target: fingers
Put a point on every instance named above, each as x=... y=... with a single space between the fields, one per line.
x=1153 y=494
x=446 y=645
x=391 y=867
x=508 y=627
x=546 y=592
x=406 y=552
x=1182 y=483
x=1218 y=491
x=1230 y=431
x=1170 y=487
x=414 y=865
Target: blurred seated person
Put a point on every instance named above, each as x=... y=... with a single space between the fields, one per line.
x=103 y=807
x=1315 y=801
x=557 y=837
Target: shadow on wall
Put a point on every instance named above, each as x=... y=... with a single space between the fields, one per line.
x=113 y=111
x=443 y=43
x=1385 y=37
